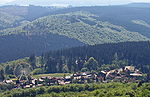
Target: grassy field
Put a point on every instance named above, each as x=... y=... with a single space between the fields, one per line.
x=51 y=74
x=45 y=75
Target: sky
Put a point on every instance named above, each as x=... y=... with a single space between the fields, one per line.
x=120 y=1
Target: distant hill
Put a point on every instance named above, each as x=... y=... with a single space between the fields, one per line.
x=36 y=29
x=68 y=2
x=118 y=15
x=141 y=5
x=30 y=12
x=12 y=15
x=15 y=10
x=82 y=26
x=8 y=21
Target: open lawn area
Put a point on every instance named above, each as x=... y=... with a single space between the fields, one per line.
x=51 y=74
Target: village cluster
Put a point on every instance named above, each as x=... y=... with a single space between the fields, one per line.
x=126 y=74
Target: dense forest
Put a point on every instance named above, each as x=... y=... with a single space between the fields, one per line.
x=97 y=24
x=118 y=15
x=104 y=56
x=82 y=26
x=134 y=52
x=87 y=58
x=23 y=46
x=88 y=25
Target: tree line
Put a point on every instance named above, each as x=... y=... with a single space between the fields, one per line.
x=88 y=58
x=83 y=90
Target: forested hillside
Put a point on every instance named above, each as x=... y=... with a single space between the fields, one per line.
x=90 y=58
x=82 y=26
x=8 y=21
x=25 y=45
x=15 y=10
x=87 y=51
x=85 y=25
x=19 y=46
x=141 y=5
x=30 y=12
x=106 y=56
x=118 y=15
x=135 y=52
x=12 y=16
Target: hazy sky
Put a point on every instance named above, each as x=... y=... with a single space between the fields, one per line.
x=6 y=1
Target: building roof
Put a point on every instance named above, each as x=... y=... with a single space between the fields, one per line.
x=131 y=68
x=103 y=72
x=136 y=74
x=68 y=77
x=8 y=81
x=84 y=73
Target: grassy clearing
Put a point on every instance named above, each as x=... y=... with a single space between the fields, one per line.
x=51 y=74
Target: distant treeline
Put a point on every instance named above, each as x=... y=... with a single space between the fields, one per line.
x=88 y=58
x=135 y=52
x=119 y=54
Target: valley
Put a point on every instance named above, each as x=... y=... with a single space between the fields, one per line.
x=63 y=50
